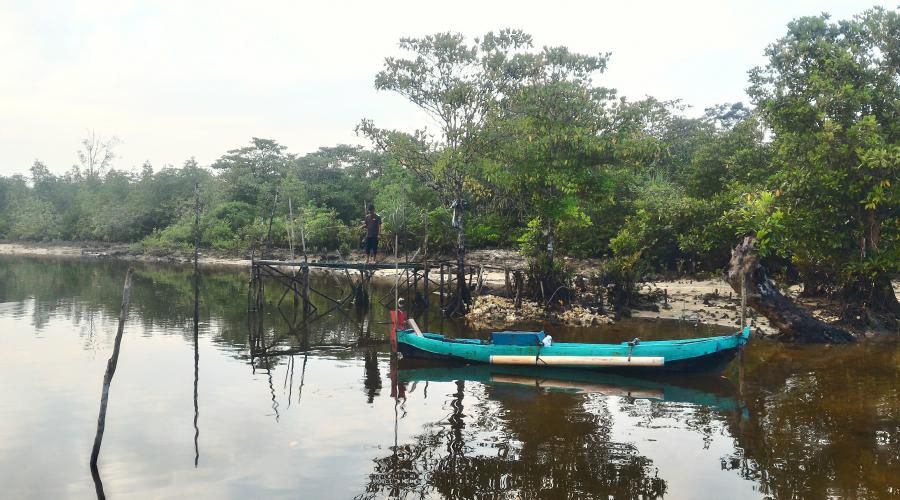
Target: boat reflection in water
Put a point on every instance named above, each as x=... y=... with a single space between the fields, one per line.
x=713 y=392
x=522 y=432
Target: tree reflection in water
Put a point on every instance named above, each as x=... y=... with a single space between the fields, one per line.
x=812 y=422
x=825 y=422
x=520 y=441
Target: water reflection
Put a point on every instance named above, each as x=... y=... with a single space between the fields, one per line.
x=807 y=422
x=713 y=392
x=514 y=439
x=535 y=432
x=825 y=422
x=372 y=376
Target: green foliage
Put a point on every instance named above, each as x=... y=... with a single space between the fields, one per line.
x=761 y=216
x=439 y=238
x=322 y=228
x=539 y=157
x=340 y=177
x=551 y=157
x=830 y=94
x=33 y=220
x=652 y=229
x=491 y=229
x=252 y=173
x=620 y=276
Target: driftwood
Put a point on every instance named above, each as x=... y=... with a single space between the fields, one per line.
x=793 y=323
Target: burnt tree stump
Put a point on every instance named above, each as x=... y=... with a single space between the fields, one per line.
x=793 y=323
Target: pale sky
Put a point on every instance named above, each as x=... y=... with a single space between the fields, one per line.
x=176 y=79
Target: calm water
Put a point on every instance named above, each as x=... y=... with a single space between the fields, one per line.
x=807 y=422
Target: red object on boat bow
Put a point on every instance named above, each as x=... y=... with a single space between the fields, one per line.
x=398 y=319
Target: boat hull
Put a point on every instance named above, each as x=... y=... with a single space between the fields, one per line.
x=711 y=354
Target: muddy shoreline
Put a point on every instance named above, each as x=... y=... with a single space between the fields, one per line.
x=707 y=301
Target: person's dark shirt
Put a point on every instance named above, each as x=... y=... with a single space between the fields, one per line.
x=373 y=224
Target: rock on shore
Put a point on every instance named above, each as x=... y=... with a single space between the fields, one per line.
x=491 y=311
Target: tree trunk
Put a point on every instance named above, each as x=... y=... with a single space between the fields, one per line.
x=871 y=303
x=875 y=295
x=458 y=304
x=884 y=299
x=793 y=323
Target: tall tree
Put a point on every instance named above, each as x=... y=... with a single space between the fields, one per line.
x=339 y=177
x=831 y=94
x=96 y=154
x=458 y=85
x=551 y=159
x=252 y=173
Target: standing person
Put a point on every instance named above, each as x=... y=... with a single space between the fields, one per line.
x=373 y=231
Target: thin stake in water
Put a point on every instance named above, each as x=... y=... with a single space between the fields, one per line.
x=107 y=380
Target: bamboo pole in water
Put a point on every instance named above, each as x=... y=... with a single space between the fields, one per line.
x=111 y=369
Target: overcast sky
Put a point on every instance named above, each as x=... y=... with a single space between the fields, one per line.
x=177 y=79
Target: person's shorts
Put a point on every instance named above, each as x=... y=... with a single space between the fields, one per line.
x=372 y=245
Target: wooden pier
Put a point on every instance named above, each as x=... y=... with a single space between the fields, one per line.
x=416 y=282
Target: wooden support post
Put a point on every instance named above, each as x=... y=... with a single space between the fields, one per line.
x=425 y=267
x=506 y=282
x=271 y=218
x=441 y=266
x=479 y=281
x=425 y=292
x=518 y=277
x=260 y=294
x=296 y=296
x=305 y=297
x=303 y=243
x=397 y=271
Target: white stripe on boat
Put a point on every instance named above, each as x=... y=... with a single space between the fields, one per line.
x=578 y=360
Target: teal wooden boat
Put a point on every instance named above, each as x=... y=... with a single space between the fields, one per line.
x=708 y=354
